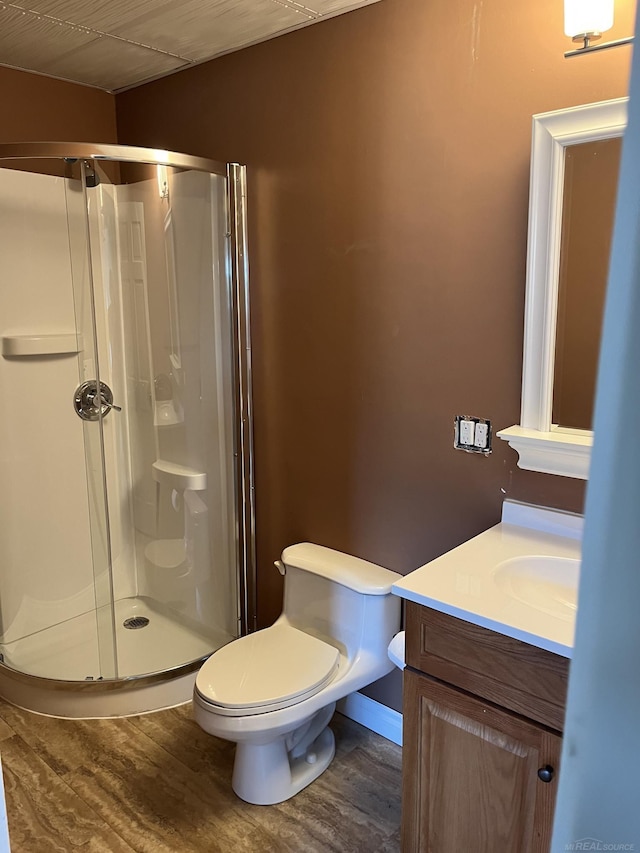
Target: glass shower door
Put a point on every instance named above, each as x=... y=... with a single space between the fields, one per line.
x=55 y=614
x=163 y=306
x=93 y=403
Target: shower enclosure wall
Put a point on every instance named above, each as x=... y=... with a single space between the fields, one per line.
x=126 y=515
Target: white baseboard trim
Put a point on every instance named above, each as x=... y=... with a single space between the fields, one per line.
x=374 y=715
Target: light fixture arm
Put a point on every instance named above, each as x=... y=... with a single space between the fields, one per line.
x=591 y=48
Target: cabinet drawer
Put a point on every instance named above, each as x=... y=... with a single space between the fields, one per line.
x=515 y=675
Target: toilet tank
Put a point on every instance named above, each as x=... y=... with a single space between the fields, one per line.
x=340 y=599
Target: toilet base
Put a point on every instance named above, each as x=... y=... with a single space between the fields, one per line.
x=265 y=773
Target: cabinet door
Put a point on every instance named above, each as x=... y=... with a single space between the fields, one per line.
x=470 y=774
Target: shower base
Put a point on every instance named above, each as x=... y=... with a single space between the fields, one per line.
x=57 y=671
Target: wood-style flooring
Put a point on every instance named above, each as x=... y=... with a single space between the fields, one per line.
x=159 y=784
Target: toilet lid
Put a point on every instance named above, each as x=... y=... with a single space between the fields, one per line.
x=273 y=667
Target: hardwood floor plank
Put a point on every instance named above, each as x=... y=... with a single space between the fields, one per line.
x=5 y=730
x=158 y=804
x=159 y=784
x=355 y=802
x=311 y=820
x=44 y=814
x=178 y=733
x=63 y=744
x=392 y=844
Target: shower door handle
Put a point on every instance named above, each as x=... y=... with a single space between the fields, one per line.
x=90 y=403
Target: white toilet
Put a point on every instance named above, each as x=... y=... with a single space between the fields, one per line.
x=273 y=692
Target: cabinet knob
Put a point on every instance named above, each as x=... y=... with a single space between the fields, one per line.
x=546 y=773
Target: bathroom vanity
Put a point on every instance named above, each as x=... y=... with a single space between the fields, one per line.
x=489 y=629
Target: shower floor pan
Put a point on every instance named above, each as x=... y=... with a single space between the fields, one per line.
x=69 y=651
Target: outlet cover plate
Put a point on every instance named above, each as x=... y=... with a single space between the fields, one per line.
x=467 y=435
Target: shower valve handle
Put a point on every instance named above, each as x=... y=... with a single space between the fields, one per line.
x=100 y=400
x=92 y=402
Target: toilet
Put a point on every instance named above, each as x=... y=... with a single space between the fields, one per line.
x=274 y=692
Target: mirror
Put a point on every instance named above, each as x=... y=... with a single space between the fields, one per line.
x=588 y=205
x=574 y=170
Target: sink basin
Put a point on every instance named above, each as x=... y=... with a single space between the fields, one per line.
x=546 y=584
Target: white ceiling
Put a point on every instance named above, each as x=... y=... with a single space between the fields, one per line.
x=118 y=44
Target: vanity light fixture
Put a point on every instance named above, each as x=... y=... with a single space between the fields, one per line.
x=585 y=21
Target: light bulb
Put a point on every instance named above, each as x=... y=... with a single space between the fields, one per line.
x=587 y=16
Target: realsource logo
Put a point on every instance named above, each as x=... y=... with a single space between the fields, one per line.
x=597 y=844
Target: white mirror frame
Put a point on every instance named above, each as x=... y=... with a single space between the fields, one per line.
x=540 y=444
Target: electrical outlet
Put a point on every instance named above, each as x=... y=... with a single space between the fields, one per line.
x=481 y=435
x=466 y=433
x=472 y=434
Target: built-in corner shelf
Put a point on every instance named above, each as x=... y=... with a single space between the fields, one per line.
x=18 y=346
x=166 y=414
x=178 y=477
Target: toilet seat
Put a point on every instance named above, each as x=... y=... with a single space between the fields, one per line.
x=267 y=670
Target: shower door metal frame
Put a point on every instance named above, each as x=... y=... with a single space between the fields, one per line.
x=239 y=275
x=121 y=153
x=237 y=263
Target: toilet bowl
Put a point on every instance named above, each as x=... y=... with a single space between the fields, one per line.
x=273 y=692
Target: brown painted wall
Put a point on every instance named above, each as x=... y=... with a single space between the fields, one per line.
x=388 y=155
x=39 y=109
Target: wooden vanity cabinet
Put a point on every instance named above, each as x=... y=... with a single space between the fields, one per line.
x=482 y=720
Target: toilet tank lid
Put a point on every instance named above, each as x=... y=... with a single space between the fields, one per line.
x=352 y=572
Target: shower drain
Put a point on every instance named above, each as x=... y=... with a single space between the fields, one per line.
x=136 y=622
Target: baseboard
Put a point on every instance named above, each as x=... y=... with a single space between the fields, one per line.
x=374 y=715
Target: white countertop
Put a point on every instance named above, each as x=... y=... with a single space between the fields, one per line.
x=462 y=582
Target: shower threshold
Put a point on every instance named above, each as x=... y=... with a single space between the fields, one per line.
x=69 y=651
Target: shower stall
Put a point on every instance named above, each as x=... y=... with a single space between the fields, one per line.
x=126 y=496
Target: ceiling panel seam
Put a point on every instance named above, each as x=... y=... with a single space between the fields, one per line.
x=90 y=31
x=118 y=57
x=297 y=7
